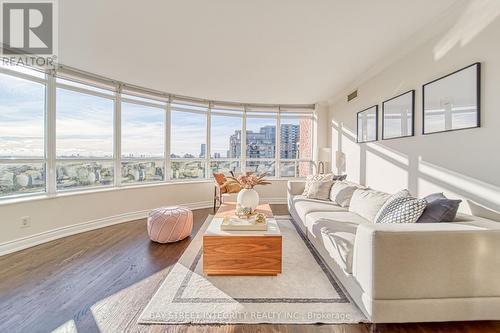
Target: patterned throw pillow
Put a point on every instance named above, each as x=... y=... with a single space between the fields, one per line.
x=402 y=210
x=401 y=194
x=320 y=178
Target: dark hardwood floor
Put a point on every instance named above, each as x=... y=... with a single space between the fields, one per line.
x=100 y=281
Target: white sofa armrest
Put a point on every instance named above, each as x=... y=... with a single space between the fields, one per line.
x=296 y=187
x=427 y=260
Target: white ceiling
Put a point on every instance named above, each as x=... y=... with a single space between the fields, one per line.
x=261 y=51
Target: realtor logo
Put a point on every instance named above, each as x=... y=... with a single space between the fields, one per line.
x=28 y=27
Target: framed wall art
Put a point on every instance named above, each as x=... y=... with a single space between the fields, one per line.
x=398 y=116
x=367 y=125
x=452 y=102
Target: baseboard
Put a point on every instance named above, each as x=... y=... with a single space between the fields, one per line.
x=47 y=236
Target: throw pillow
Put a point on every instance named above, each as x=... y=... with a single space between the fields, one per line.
x=319 y=190
x=402 y=210
x=367 y=203
x=321 y=177
x=439 y=209
x=401 y=194
x=341 y=192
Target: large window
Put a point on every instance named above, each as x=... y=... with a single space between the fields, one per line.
x=75 y=132
x=295 y=145
x=261 y=144
x=22 y=139
x=188 y=142
x=84 y=138
x=225 y=141
x=143 y=143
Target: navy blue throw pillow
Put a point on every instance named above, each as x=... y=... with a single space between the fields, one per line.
x=439 y=209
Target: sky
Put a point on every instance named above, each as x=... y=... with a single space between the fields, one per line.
x=84 y=125
x=21 y=117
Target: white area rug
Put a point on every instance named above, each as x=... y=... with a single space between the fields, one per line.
x=306 y=292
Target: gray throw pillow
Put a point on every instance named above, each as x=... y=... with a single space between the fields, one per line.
x=319 y=190
x=439 y=209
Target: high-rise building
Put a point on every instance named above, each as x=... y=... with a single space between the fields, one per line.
x=203 y=150
x=289 y=137
x=234 y=145
x=262 y=144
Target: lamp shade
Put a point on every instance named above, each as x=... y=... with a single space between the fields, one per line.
x=325 y=155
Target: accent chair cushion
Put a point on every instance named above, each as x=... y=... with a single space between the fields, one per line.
x=220 y=179
x=367 y=203
x=439 y=209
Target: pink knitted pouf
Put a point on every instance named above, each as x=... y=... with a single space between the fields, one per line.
x=170 y=224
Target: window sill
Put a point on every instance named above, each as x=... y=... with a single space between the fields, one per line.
x=46 y=196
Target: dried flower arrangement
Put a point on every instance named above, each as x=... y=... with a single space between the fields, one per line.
x=247 y=180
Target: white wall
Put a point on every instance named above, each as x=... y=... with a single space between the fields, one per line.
x=465 y=163
x=63 y=215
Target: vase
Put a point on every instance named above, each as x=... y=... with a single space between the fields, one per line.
x=248 y=198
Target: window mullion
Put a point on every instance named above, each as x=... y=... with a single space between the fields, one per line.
x=243 y=150
x=208 y=152
x=168 y=125
x=50 y=134
x=278 y=148
x=117 y=147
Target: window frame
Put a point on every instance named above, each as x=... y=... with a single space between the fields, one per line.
x=121 y=93
x=225 y=111
x=298 y=116
x=35 y=160
x=265 y=115
x=181 y=106
x=79 y=89
x=142 y=101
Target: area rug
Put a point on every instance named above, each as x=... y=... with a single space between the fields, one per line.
x=305 y=292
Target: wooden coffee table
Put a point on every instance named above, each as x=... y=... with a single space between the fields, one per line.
x=242 y=252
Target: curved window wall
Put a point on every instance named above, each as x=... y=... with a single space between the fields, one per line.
x=61 y=133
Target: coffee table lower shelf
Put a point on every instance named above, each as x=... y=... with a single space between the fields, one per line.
x=242 y=255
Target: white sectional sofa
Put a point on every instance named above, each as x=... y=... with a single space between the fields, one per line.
x=406 y=272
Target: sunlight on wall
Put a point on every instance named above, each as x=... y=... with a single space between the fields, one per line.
x=382 y=173
x=433 y=178
x=344 y=140
x=476 y=17
x=387 y=170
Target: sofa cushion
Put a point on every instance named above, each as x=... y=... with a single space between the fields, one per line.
x=321 y=177
x=342 y=191
x=320 y=190
x=367 y=203
x=304 y=206
x=333 y=234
